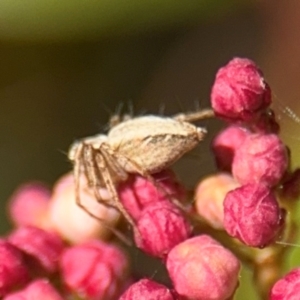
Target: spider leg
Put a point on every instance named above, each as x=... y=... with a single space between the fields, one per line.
x=110 y=184
x=87 y=170
x=76 y=172
x=98 y=179
x=92 y=172
x=195 y=116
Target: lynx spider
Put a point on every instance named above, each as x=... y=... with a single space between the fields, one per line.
x=142 y=145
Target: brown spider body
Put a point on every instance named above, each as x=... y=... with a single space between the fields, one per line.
x=143 y=145
x=153 y=143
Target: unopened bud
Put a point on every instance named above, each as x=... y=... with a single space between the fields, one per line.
x=240 y=92
x=201 y=268
x=209 y=197
x=28 y=205
x=138 y=192
x=14 y=273
x=67 y=218
x=252 y=214
x=225 y=144
x=160 y=227
x=260 y=158
x=147 y=289
x=288 y=287
x=42 y=247
x=39 y=289
x=95 y=270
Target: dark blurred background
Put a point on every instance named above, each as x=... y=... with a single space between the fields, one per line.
x=66 y=66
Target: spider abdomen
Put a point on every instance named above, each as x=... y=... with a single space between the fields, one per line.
x=152 y=143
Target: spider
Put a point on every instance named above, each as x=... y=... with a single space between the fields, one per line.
x=143 y=145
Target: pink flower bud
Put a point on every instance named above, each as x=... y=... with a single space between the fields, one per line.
x=113 y=255
x=43 y=248
x=39 y=289
x=225 y=144
x=209 y=197
x=287 y=288
x=252 y=214
x=28 y=205
x=138 y=192
x=14 y=271
x=160 y=227
x=147 y=289
x=71 y=221
x=260 y=158
x=15 y=296
x=240 y=91
x=42 y=289
x=95 y=270
x=201 y=268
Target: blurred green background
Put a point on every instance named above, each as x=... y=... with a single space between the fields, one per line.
x=67 y=65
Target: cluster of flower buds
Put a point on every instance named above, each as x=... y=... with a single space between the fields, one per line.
x=58 y=251
x=255 y=181
x=160 y=224
x=54 y=260
x=163 y=231
x=250 y=149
